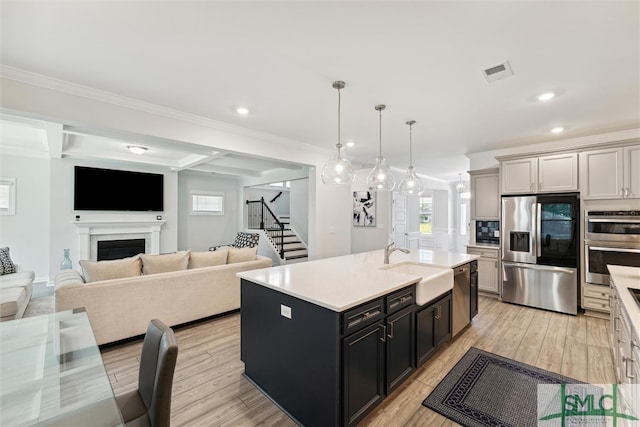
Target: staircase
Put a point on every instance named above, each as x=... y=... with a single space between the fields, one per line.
x=282 y=237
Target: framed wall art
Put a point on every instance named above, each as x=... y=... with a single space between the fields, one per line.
x=364 y=208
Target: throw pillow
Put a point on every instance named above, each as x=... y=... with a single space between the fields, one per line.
x=95 y=271
x=209 y=258
x=244 y=240
x=6 y=264
x=153 y=264
x=242 y=254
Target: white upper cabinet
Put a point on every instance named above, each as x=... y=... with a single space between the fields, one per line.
x=558 y=173
x=485 y=195
x=546 y=174
x=610 y=173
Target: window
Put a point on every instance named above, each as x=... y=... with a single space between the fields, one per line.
x=426 y=214
x=7 y=196
x=203 y=203
x=281 y=184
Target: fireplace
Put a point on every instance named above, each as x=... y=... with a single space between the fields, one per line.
x=92 y=232
x=117 y=249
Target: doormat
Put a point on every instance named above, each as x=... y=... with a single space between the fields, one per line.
x=485 y=389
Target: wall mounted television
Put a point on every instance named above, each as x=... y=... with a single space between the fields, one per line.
x=117 y=190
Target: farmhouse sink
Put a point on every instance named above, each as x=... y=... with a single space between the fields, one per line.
x=434 y=280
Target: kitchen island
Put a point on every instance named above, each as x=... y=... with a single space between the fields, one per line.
x=327 y=340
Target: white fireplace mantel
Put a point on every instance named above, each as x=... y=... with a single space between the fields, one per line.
x=89 y=232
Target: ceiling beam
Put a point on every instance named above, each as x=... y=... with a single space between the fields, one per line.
x=226 y=170
x=55 y=139
x=193 y=160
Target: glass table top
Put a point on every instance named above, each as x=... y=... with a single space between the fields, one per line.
x=51 y=373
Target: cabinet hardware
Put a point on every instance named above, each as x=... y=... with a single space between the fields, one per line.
x=366 y=315
x=626 y=367
x=634 y=344
x=390 y=334
x=438 y=312
x=626 y=192
x=383 y=338
x=622 y=192
x=615 y=324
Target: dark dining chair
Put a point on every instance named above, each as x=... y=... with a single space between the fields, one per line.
x=150 y=403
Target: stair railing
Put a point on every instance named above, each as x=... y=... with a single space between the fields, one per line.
x=261 y=217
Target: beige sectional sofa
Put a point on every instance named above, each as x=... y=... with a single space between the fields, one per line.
x=121 y=307
x=15 y=293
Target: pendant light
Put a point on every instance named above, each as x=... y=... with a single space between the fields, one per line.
x=380 y=177
x=411 y=184
x=460 y=185
x=338 y=169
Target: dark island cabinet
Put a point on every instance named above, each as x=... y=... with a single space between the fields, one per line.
x=326 y=368
x=434 y=324
x=363 y=356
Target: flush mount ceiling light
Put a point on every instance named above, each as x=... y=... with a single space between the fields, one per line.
x=137 y=149
x=350 y=144
x=242 y=110
x=460 y=185
x=558 y=129
x=338 y=169
x=546 y=96
x=380 y=177
x=411 y=184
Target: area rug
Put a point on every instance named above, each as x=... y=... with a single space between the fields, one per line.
x=485 y=389
x=38 y=306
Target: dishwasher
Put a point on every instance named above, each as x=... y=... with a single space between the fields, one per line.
x=461 y=298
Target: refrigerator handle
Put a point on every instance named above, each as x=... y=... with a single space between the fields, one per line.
x=538 y=229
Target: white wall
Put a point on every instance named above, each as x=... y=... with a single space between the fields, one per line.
x=63 y=234
x=27 y=232
x=199 y=232
x=299 y=207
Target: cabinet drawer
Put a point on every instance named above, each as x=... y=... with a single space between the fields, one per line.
x=364 y=315
x=597 y=292
x=596 y=304
x=401 y=299
x=484 y=253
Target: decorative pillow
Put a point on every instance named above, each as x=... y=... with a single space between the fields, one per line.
x=209 y=258
x=153 y=264
x=246 y=240
x=242 y=254
x=95 y=271
x=6 y=265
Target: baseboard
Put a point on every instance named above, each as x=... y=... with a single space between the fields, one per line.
x=39 y=280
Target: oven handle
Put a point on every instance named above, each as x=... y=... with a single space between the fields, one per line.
x=600 y=248
x=630 y=220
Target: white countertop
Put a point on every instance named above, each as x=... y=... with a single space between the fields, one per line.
x=343 y=282
x=624 y=278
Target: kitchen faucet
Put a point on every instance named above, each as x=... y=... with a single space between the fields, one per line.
x=389 y=249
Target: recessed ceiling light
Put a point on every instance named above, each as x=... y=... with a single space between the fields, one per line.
x=546 y=96
x=242 y=110
x=137 y=149
x=350 y=144
x=557 y=129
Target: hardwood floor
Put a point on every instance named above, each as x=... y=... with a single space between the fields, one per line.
x=209 y=389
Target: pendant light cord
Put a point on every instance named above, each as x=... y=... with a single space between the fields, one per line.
x=410 y=146
x=380 y=133
x=339 y=145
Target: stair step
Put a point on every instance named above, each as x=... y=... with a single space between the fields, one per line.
x=289 y=254
x=297 y=248
x=296 y=257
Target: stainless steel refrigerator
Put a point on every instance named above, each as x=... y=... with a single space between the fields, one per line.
x=540 y=251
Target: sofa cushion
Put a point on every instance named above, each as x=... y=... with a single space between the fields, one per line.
x=6 y=264
x=209 y=258
x=241 y=254
x=95 y=271
x=11 y=299
x=152 y=264
x=21 y=278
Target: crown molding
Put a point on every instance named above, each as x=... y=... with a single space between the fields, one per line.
x=571 y=144
x=64 y=86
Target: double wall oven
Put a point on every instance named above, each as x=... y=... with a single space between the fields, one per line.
x=611 y=237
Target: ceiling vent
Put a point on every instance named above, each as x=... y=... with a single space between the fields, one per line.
x=498 y=72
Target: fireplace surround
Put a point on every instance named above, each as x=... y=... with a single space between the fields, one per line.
x=90 y=232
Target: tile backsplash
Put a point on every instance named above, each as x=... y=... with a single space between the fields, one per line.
x=486 y=232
